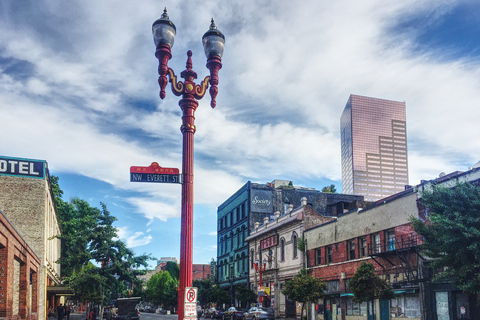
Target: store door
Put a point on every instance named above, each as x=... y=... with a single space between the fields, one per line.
x=384 y=310
x=290 y=308
x=328 y=309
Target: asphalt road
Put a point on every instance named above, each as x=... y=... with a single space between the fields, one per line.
x=143 y=316
x=157 y=316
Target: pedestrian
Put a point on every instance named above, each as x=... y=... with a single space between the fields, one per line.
x=67 y=312
x=92 y=314
x=60 y=312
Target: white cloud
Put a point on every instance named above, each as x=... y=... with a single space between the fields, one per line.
x=136 y=240
x=85 y=98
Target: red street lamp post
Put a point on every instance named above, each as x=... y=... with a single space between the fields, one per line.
x=260 y=268
x=213 y=43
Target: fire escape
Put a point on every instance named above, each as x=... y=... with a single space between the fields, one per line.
x=399 y=255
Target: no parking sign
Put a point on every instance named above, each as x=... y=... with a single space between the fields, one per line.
x=190 y=303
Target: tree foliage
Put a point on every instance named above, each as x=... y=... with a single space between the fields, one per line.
x=246 y=295
x=367 y=286
x=329 y=189
x=452 y=233
x=88 y=235
x=173 y=269
x=304 y=288
x=162 y=289
x=205 y=293
x=220 y=296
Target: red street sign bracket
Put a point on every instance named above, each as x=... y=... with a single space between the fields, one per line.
x=154 y=168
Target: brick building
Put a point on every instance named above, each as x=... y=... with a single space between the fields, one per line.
x=383 y=236
x=19 y=271
x=26 y=200
x=201 y=272
x=252 y=204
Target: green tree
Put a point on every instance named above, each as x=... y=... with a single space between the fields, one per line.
x=366 y=286
x=452 y=234
x=246 y=295
x=205 y=294
x=162 y=289
x=88 y=235
x=329 y=189
x=220 y=296
x=173 y=269
x=304 y=288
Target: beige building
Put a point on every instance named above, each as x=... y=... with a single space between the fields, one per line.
x=273 y=248
x=27 y=201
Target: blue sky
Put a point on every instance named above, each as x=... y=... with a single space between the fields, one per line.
x=78 y=88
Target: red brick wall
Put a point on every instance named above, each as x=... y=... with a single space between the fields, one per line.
x=201 y=271
x=13 y=247
x=340 y=263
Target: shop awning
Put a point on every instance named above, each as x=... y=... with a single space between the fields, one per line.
x=404 y=291
x=60 y=290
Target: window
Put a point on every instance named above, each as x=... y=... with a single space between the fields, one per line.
x=282 y=249
x=328 y=254
x=252 y=259
x=362 y=243
x=295 y=248
x=318 y=256
x=238 y=214
x=390 y=236
x=376 y=247
x=355 y=309
x=351 y=249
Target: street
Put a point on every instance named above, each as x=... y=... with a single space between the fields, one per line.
x=157 y=316
x=143 y=316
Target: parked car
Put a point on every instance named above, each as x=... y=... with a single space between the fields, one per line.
x=214 y=313
x=233 y=314
x=257 y=313
x=125 y=309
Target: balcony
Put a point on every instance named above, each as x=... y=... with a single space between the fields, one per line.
x=403 y=243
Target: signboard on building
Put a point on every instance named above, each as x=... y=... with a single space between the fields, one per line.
x=269 y=242
x=190 y=303
x=261 y=201
x=22 y=167
x=155 y=173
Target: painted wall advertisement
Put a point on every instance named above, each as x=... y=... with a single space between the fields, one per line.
x=261 y=201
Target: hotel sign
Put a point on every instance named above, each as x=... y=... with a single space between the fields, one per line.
x=269 y=242
x=20 y=167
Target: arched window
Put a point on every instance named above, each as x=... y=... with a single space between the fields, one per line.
x=295 y=248
x=282 y=249
x=239 y=237
x=244 y=265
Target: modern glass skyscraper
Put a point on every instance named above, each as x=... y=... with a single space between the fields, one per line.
x=374 y=147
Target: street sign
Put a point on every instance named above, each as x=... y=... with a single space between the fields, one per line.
x=190 y=303
x=158 y=178
x=191 y=295
x=155 y=173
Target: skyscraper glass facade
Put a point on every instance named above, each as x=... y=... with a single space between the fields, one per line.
x=374 y=147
